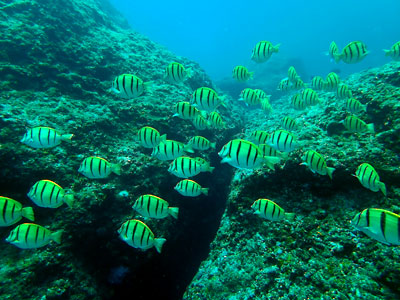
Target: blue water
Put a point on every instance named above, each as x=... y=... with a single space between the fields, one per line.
x=221 y=34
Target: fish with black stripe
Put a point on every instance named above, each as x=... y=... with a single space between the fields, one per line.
x=354 y=106
x=176 y=73
x=249 y=96
x=269 y=151
x=201 y=143
x=44 y=137
x=379 y=224
x=186 y=111
x=369 y=178
x=310 y=97
x=263 y=51
x=261 y=94
x=241 y=74
x=149 y=137
x=352 y=53
x=258 y=137
x=289 y=124
x=215 y=120
x=297 y=102
x=292 y=75
x=354 y=124
x=394 y=52
x=138 y=235
x=154 y=207
x=206 y=99
x=266 y=106
x=11 y=211
x=317 y=83
x=282 y=140
x=333 y=51
x=97 y=167
x=46 y=193
x=32 y=236
x=170 y=149
x=343 y=92
x=316 y=163
x=285 y=85
x=332 y=82
x=185 y=167
x=190 y=188
x=200 y=123
x=269 y=210
x=129 y=86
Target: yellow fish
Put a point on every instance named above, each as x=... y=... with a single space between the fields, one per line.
x=190 y=188
x=46 y=193
x=32 y=236
x=154 y=207
x=186 y=111
x=369 y=178
x=97 y=167
x=241 y=74
x=149 y=137
x=353 y=53
x=206 y=99
x=354 y=124
x=44 y=137
x=263 y=51
x=176 y=72
x=201 y=143
x=394 y=52
x=129 y=86
x=317 y=163
x=269 y=210
x=12 y=211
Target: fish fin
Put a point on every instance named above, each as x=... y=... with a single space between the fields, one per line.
x=27 y=212
x=225 y=159
x=270 y=161
x=204 y=191
x=370 y=128
x=251 y=75
x=289 y=216
x=189 y=73
x=210 y=169
x=212 y=145
x=330 y=170
x=173 y=211
x=148 y=86
x=382 y=187
x=69 y=200
x=158 y=243
x=188 y=148
x=387 y=52
x=175 y=115
x=364 y=107
x=337 y=57
x=163 y=138
x=67 y=137
x=56 y=236
x=116 y=168
x=276 y=48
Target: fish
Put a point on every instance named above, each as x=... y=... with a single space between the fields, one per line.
x=282 y=140
x=266 y=106
x=47 y=193
x=379 y=224
x=269 y=151
x=201 y=143
x=299 y=84
x=249 y=96
x=44 y=137
x=263 y=51
x=129 y=86
x=369 y=178
x=186 y=111
x=317 y=83
x=261 y=94
x=343 y=92
x=241 y=74
x=352 y=53
x=258 y=137
x=297 y=102
x=354 y=106
x=185 y=167
x=154 y=207
x=169 y=150
x=354 y=124
x=138 y=235
x=149 y=137
x=200 y=123
x=96 y=167
x=206 y=99
x=204 y=165
x=32 y=236
x=285 y=85
x=190 y=188
x=394 y=52
x=292 y=75
x=243 y=154
x=269 y=210
x=215 y=120
x=289 y=124
x=316 y=163
x=332 y=82
x=333 y=51
x=176 y=72
x=310 y=97
x=12 y=211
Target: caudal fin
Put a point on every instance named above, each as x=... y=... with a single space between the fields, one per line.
x=204 y=191
x=56 y=236
x=276 y=48
x=173 y=211
x=370 y=128
x=188 y=148
x=163 y=138
x=116 y=168
x=330 y=171
x=158 y=243
x=27 y=212
x=66 y=137
x=210 y=169
x=337 y=57
x=388 y=52
x=212 y=145
x=289 y=216
x=69 y=200
x=270 y=161
x=382 y=187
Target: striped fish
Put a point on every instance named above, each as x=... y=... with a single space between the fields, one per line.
x=186 y=111
x=190 y=188
x=149 y=137
x=285 y=85
x=379 y=224
x=343 y=92
x=258 y=137
x=317 y=163
x=206 y=99
x=333 y=51
x=354 y=124
x=354 y=106
x=176 y=72
x=292 y=75
x=154 y=207
x=297 y=102
x=169 y=150
x=32 y=236
x=353 y=53
x=243 y=154
x=241 y=74
x=185 y=167
x=138 y=235
x=46 y=193
x=215 y=120
x=261 y=94
x=97 y=167
x=369 y=178
x=266 y=106
x=12 y=211
x=44 y=137
x=129 y=86
x=289 y=124
x=394 y=52
x=200 y=123
x=249 y=96
x=332 y=82
x=269 y=151
x=298 y=85
x=201 y=143
x=317 y=83
x=269 y=210
x=263 y=51
x=282 y=140
x=310 y=97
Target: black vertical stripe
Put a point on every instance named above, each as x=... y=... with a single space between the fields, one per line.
x=148 y=198
x=40 y=141
x=248 y=156
x=157 y=204
x=123 y=84
x=141 y=238
x=13 y=211
x=238 y=152
x=91 y=165
x=4 y=210
x=265 y=208
x=51 y=193
x=27 y=234
x=182 y=166
x=48 y=137
x=273 y=210
x=99 y=168
x=36 y=234
x=134 y=231
x=42 y=192
x=57 y=195
x=367 y=217
x=383 y=224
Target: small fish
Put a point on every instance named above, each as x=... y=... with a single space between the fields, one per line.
x=200 y=123
x=379 y=224
x=369 y=178
x=354 y=124
x=138 y=235
x=353 y=53
x=44 y=137
x=343 y=92
x=243 y=154
x=292 y=75
x=269 y=151
x=317 y=163
x=190 y=188
x=261 y=94
x=185 y=167
x=32 y=236
x=249 y=96
x=333 y=51
x=297 y=102
x=285 y=85
x=317 y=83
x=394 y=52
x=332 y=82
x=169 y=150
x=354 y=106
x=299 y=84
x=241 y=74
x=269 y=210
x=46 y=193
x=215 y=120
x=129 y=86
x=11 y=212
x=206 y=99
x=186 y=111
x=263 y=51
x=282 y=140
x=258 y=137
x=149 y=137
x=310 y=97
x=266 y=106
x=154 y=207
x=289 y=124
x=201 y=143
x=97 y=167
x=176 y=72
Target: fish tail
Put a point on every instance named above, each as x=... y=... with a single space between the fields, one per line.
x=289 y=216
x=158 y=243
x=337 y=57
x=56 y=236
x=27 y=212
x=204 y=191
x=276 y=48
x=364 y=108
x=370 y=128
x=251 y=75
x=330 y=170
x=189 y=73
x=188 y=148
x=382 y=187
x=163 y=138
x=210 y=169
x=387 y=52
x=116 y=168
x=69 y=200
x=270 y=161
x=67 y=137
x=212 y=145
x=173 y=211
